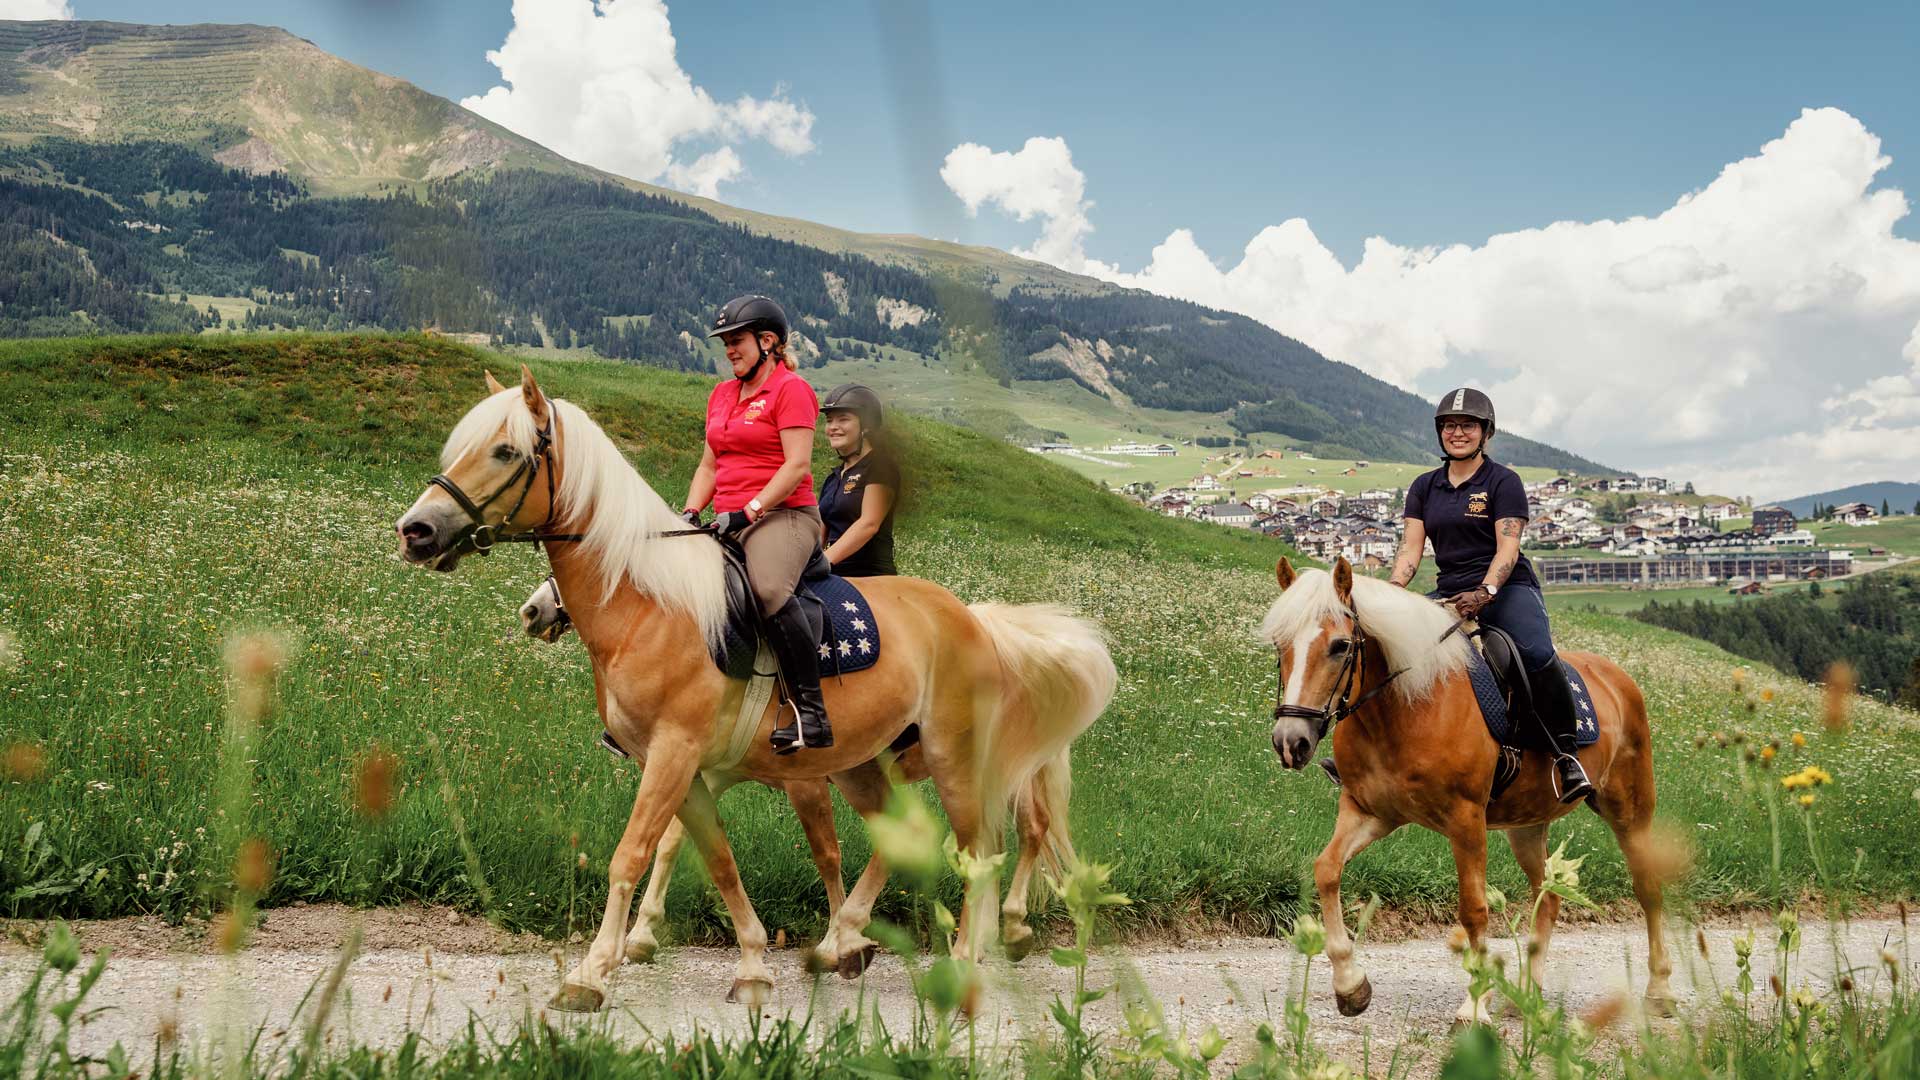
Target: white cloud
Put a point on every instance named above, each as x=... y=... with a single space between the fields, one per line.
x=1760 y=336
x=1038 y=180
x=27 y=10
x=600 y=83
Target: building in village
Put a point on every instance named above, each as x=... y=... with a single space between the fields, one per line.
x=1773 y=519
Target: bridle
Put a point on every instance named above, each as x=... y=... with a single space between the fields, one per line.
x=480 y=535
x=1341 y=704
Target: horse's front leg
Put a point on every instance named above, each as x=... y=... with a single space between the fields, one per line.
x=1468 y=835
x=671 y=765
x=753 y=980
x=1352 y=832
x=642 y=940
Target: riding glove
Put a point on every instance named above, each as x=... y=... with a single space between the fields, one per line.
x=731 y=522
x=1470 y=603
x=692 y=517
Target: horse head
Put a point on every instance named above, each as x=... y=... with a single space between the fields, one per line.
x=1318 y=651
x=542 y=616
x=497 y=480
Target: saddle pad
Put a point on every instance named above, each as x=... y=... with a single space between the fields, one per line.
x=1500 y=722
x=852 y=640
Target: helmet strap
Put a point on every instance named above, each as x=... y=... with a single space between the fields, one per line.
x=754 y=371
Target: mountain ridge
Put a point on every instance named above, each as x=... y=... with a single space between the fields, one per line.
x=90 y=106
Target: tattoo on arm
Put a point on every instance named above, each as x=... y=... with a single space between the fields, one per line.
x=1407 y=563
x=1508 y=556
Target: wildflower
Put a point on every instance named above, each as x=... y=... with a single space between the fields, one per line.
x=23 y=762
x=253 y=866
x=1840 y=684
x=1767 y=695
x=906 y=835
x=1767 y=754
x=1799 y=740
x=62 y=952
x=373 y=783
x=1309 y=936
x=1807 y=799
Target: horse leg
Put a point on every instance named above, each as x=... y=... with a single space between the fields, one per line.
x=1033 y=819
x=641 y=942
x=961 y=799
x=1352 y=832
x=1626 y=801
x=813 y=802
x=664 y=785
x=1468 y=835
x=1529 y=843
x=1634 y=845
x=845 y=945
x=753 y=980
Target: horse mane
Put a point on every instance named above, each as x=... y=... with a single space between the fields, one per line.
x=625 y=517
x=1406 y=624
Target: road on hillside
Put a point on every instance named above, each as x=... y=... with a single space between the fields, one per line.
x=429 y=971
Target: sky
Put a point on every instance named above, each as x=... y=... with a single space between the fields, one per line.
x=1674 y=241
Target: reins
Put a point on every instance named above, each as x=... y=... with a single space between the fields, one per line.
x=479 y=535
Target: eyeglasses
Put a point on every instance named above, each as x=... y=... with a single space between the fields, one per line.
x=1460 y=425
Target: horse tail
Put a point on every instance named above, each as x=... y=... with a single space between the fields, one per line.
x=1058 y=678
x=1046 y=797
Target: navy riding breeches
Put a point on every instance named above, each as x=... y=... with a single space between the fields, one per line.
x=1522 y=613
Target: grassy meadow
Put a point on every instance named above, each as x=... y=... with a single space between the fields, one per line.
x=158 y=496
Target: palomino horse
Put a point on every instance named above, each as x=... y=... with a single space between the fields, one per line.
x=1414 y=750
x=997 y=691
x=1043 y=834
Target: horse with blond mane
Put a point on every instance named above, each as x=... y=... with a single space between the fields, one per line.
x=997 y=691
x=1381 y=668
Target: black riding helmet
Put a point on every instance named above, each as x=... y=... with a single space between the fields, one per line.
x=752 y=312
x=1467 y=402
x=856 y=399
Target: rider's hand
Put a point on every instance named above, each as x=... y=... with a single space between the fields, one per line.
x=692 y=516
x=731 y=522
x=1470 y=603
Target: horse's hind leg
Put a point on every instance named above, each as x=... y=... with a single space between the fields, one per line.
x=1626 y=801
x=1033 y=819
x=813 y=802
x=641 y=942
x=1352 y=832
x=845 y=946
x=1529 y=843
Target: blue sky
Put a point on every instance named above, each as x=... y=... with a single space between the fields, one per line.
x=1410 y=121
x=1671 y=237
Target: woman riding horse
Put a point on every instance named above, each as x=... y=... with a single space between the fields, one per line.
x=755 y=472
x=1474 y=509
x=858 y=498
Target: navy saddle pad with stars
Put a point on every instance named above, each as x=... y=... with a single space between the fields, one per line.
x=1508 y=729
x=842 y=621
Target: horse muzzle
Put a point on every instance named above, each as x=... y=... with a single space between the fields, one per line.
x=423 y=542
x=1294 y=741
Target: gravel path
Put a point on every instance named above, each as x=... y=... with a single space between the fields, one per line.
x=429 y=971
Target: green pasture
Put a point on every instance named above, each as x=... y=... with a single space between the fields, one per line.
x=161 y=495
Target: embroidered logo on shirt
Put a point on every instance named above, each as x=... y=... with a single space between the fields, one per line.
x=753 y=411
x=1477 y=504
x=849 y=482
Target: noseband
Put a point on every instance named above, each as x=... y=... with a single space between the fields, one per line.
x=479 y=535
x=1341 y=703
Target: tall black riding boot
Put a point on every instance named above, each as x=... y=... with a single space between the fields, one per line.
x=1553 y=701
x=791 y=639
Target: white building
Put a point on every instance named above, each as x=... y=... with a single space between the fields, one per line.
x=1239 y=515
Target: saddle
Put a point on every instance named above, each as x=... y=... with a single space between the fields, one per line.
x=1505 y=693
x=843 y=625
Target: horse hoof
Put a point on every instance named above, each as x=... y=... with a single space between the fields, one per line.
x=1020 y=942
x=1658 y=1005
x=856 y=962
x=1355 y=1003
x=752 y=993
x=819 y=963
x=576 y=998
x=641 y=952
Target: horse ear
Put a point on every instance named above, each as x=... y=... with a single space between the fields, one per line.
x=1284 y=571
x=530 y=390
x=1343 y=580
x=493 y=385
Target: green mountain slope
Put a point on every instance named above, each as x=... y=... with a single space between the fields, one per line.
x=287 y=188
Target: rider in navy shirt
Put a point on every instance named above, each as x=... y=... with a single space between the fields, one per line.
x=857 y=499
x=1474 y=509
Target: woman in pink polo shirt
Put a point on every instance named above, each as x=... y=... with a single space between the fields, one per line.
x=756 y=472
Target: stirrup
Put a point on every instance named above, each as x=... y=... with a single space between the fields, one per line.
x=1333 y=774
x=793 y=737
x=1580 y=789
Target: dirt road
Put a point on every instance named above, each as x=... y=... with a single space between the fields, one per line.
x=428 y=971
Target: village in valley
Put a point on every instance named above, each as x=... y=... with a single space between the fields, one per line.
x=1609 y=531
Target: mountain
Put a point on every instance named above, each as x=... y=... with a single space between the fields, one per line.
x=1899 y=497
x=187 y=178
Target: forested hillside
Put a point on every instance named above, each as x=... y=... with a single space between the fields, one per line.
x=1872 y=622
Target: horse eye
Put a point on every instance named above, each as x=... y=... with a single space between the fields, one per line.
x=1337 y=646
x=503 y=452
